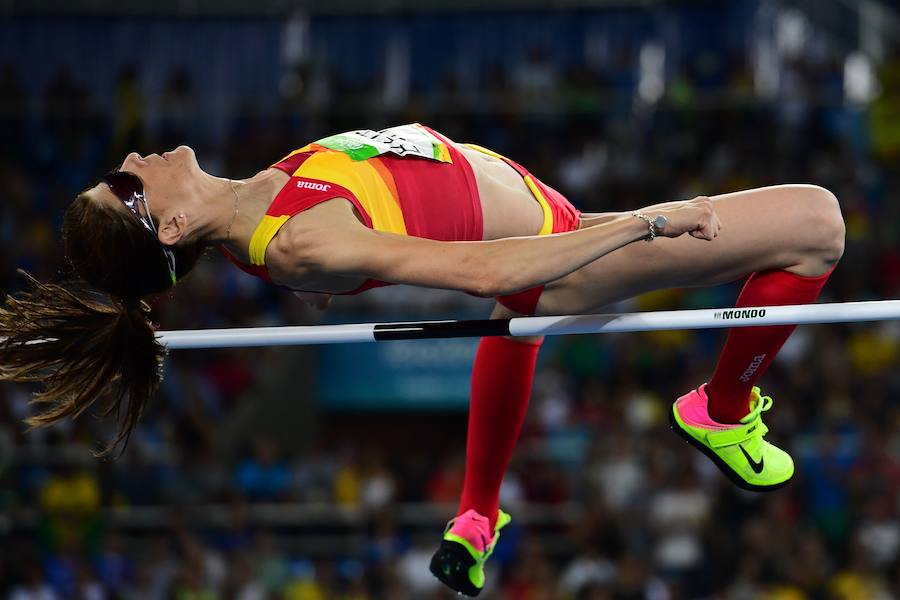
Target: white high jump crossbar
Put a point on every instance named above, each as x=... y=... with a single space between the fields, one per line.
x=711 y=318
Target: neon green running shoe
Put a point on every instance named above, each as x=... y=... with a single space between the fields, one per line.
x=739 y=450
x=468 y=543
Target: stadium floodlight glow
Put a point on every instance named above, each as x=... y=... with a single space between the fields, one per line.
x=710 y=318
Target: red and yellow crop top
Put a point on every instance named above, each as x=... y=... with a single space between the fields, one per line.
x=407 y=180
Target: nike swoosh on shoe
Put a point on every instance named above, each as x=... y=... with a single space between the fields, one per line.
x=756 y=466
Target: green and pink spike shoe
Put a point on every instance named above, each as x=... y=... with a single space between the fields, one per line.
x=468 y=543
x=739 y=450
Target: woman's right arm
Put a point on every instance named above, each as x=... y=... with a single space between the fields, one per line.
x=485 y=268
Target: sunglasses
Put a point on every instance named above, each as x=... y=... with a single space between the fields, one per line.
x=129 y=188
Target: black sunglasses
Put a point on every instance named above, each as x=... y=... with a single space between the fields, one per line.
x=129 y=188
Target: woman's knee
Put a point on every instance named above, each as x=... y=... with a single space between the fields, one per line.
x=822 y=224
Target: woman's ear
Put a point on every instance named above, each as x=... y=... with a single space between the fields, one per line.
x=173 y=230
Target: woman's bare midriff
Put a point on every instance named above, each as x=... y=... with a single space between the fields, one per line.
x=508 y=206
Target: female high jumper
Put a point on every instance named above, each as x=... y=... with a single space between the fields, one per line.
x=406 y=205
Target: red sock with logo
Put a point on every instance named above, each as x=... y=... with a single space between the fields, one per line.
x=501 y=388
x=749 y=351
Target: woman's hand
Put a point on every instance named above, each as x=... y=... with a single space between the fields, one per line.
x=695 y=217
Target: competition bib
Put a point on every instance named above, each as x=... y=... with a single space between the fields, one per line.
x=403 y=140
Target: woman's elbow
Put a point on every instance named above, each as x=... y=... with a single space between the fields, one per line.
x=490 y=283
x=482 y=280
x=490 y=275
x=483 y=287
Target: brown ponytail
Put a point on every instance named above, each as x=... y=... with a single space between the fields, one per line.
x=91 y=338
x=90 y=348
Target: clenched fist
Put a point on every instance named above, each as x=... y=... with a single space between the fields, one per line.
x=695 y=217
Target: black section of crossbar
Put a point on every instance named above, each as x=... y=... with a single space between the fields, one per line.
x=425 y=330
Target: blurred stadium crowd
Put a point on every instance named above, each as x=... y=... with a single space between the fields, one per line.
x=607 y=503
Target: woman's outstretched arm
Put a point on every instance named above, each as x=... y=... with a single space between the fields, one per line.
x=328 y=245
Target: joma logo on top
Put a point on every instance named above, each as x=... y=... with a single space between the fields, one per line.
x=321 y=187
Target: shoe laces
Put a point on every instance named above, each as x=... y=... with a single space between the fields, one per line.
x=760 y=405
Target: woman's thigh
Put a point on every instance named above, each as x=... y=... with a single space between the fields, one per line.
x=793 y=227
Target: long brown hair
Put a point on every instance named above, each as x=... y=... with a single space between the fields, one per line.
x=89 y=338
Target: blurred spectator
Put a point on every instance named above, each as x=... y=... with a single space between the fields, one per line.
x=347 y=482
x=177 y=111
x=587 y=574
x=679 y=514
x=413 y=568
x=446 y=481
x=71 y=502
x=128 y=126
x=313 y=476
x=202 y=573
x=878 y=536
x=860 y=580
x=113 y=565
x=270 y=563
x=245 y=585
x=303 y=584
x=263 y=475
x=532 y=576
x=377 y=488
x=34 y=586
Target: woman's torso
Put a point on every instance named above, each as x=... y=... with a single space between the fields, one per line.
x=487 y=199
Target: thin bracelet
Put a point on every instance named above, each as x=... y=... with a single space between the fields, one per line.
x=652 y=235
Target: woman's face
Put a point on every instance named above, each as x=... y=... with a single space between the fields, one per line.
x=170 y=180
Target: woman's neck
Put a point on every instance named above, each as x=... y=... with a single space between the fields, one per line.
x=242 y=203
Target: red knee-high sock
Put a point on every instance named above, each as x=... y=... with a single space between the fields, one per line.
x=501 y=388
x=749 y=351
